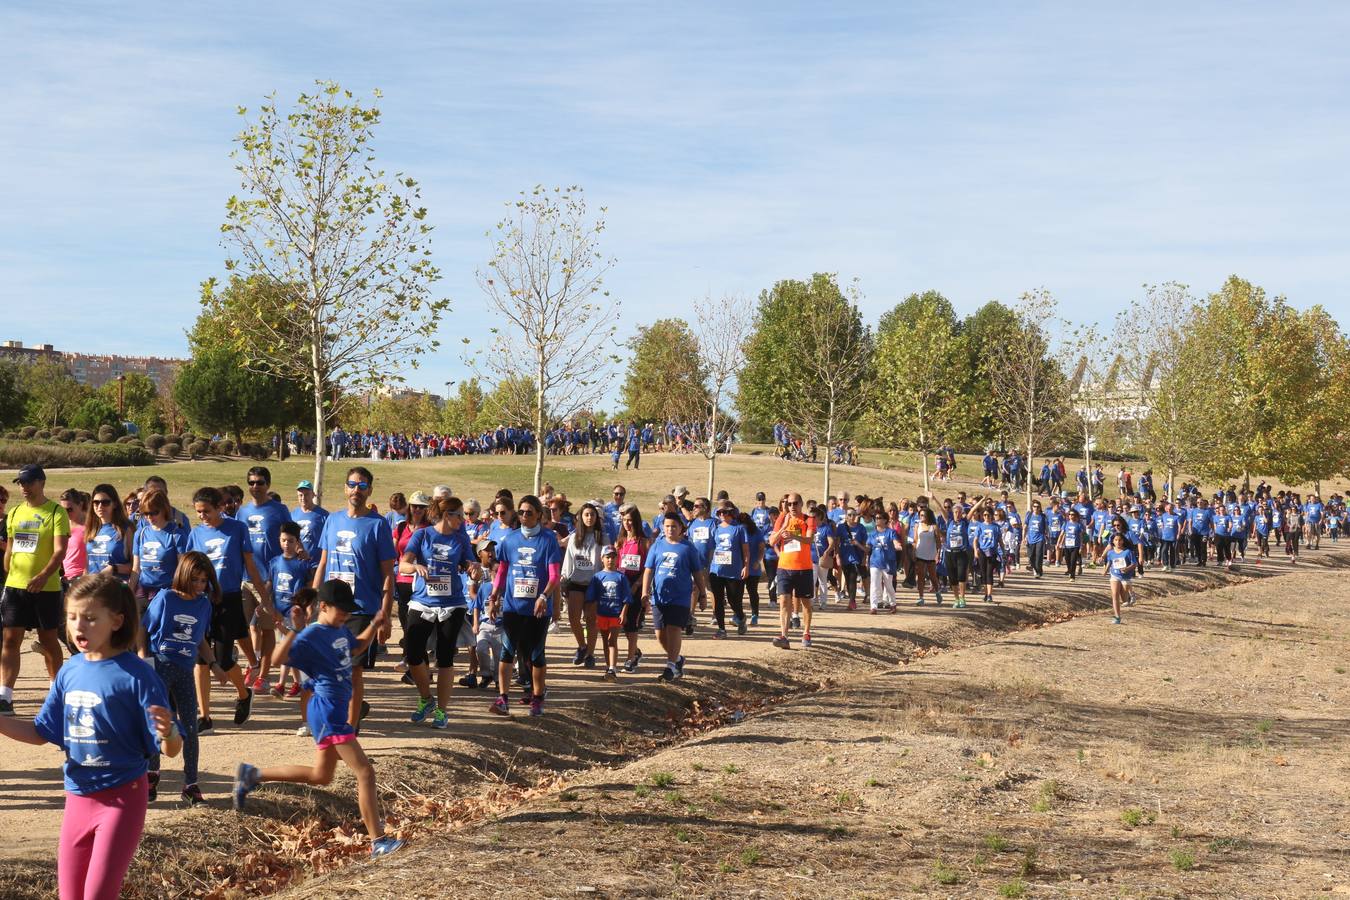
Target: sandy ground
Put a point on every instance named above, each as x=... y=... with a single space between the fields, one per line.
x=1199 y=750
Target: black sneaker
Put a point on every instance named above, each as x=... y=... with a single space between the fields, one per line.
x=365 y=710
x=590 y=661
x=153 y=779
x=469 y=681
x=782 y=642
x=631 y=666
x=192 y=795
x=243 y=707
x=667 y=674
x=204 y=724
x=579 y=657
x=6 y=707
x=407 y=678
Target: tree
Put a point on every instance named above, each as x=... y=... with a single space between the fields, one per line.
x=724 y=327
x=545 y=281
x=665 y=373
x=342 y=253
x=53 y=393
x=1165 y=382
x=139 y=400
x=984 y=331
x=462 y=413
x=406 y=411
x=806 y=361
x=919 y=390
x=14 y=397
x=1309 y=445
x=1032 y=397
x=94 y=413
x=219 y=393
x=1092 y=386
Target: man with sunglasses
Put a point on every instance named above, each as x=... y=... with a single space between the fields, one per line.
x=357 y=546
x=614 y=514
x=264 y=518
x=791 y=537
x=523 y=591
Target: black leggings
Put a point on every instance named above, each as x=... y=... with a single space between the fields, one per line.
x=1036 y=557
x=852 y=572
x=1223 y=551
x=771 y=576
x=1073 y=561
x=724 y=589
x=1198 y=549
x=752 y=588
x=420 y=631
x=988 y=566
x=957 y=564
x=403 y=596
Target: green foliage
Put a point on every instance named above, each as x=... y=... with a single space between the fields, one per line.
x=464 y=412
x=14 y=397
x=1133 y=817
x=1015 y=888
x=945 y=874
x=665 y=374
x=412 y=411
x=108 y=434
x=197 y=449
x=984 y=331
x=218 y=393
x=1182 y=860
x=53 y=393
x=995 y=842
x=65 y=435
x=171 y=450
x=140 y=400
x=28 y=432
x=96 y=413
x=54 y=455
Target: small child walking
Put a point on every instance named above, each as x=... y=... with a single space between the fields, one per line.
x=324 y=651
x=108 y=710
x=609 y=592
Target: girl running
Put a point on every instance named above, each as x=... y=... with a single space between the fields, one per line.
x=109 y=712
x=324 y=651
x=1120 y=568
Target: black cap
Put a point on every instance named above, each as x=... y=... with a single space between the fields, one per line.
x=759 y=495
x=30 y=473
x=336 y=592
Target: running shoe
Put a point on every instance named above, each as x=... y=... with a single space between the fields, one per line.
x=259 y=685
x=537 y=706
x=6 y=707
x=754 y=620
x=425 y=707
x=246 y=778
x=1115 y=620
x=922 y=602
x=501 y=706
x=611 y=675
x=407 y=678
x=365 y=710
x=439 y=719
x=852 y=605
x=667 y=674
x=796 y=621
x=579 y=657
x=249 y=674
x=153 y=779
x=278 y=690
x=937 y=601
x=469 y=681
x=294 y=690
x=679 y=667
x=806 y=638
x=553 y=627
x=384 y=846
x=590 y=661
x=303 y=731
x=631 y=665
x=720 y=634
x=192 y=795
x=741 y=626
x=243 y=708
x=782 y=642
x=203 y=724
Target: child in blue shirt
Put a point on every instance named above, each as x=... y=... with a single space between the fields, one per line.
x=325 y=650
x=1121 y=564
x=610 y=593
x=286 y=574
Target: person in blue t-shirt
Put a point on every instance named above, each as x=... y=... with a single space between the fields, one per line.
x=1121 y=564
x=674 y=570
x=1072 y=539
x=988 y=545
x=357 y=547
x=1037 y=528
x=287 y=573
x=729 y=567
x=852 y=547
x=1169 y=525
x=310 y=517
x=524 y=589
x=609 y=591
x=175 y=626
x=325 y=651
x=882 y=563
x=1200 y=524
x=156 y=546
x=109 y=712
x=764 y=517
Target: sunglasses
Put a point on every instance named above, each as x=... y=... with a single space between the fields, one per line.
x=525 y=511
x=103 y=502
x=355 y=485
x=262 y=483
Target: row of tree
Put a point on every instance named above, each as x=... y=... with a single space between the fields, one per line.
x=44 y=393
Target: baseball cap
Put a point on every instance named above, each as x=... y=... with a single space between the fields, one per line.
x=29 y=474
x=305 y=485
x=336 y=592
x=609 y=551
x=759 y=495
x=419 y=498
x=680 y=491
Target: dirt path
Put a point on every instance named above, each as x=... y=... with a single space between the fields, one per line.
x=589 y=722
x=1200 y=750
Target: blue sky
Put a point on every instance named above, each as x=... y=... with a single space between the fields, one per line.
x=978 y=149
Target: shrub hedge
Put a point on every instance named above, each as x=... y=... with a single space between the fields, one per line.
x=14 y=454
x=171 y=450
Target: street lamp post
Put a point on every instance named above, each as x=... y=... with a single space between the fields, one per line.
x=121 y=400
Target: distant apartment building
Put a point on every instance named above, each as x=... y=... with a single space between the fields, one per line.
x=94 y=369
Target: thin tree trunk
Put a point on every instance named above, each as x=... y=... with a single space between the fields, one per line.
x=712 y=436
x=829 y=451
x=1171 y=483
x=320 y=441
x=1087 y=464
x=539 y=426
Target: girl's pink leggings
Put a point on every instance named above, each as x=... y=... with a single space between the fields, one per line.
x=99 y=836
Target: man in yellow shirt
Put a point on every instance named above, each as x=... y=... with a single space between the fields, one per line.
x=38 y=530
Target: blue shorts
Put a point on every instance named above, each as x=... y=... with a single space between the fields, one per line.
x=669 y=615
x=799 y=582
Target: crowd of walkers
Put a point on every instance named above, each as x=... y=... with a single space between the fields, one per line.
x=139 y=609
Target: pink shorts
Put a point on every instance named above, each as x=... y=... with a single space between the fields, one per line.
x=334 y=739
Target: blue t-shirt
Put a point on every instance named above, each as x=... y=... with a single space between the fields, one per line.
x=763 y=517
x=728 y=545
x=175 y=627
x=482 y=601
x=1168 y=525
x=673 y=567
x=1073 y=535
x=311 y=527
x=700 y=535
x=1035 y=528
x=286 y=576
x=95 y=711
x=882 y=551
x=158 y=551
x=987 y=537
x=442 y=554
x=324 y=654
x=1117 y=561
x=613 y=517
x=357 y=551
x=609 y=592
x=1201 y=518
x=527 y=560
x=264 y=528
x=849 y=554
x=957 y=537
x=105 y=547
x=820 y=539
x=225 y=546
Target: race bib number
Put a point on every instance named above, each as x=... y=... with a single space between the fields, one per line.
x=954 y=541
x=792 y=547
x=440 y=588
x=526 y=588
x=25 y=542
x=700 y=534
x=1118 y=565
x=349 y=577
x=1070 y=541
x=583 y=562
x=632 y=561
x=722 y=557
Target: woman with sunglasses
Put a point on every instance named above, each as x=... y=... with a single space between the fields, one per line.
x=107 y=534
x=76 y=505
x=416 y=518
x=523 y=591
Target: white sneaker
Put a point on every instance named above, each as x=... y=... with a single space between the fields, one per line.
x=303 y=731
